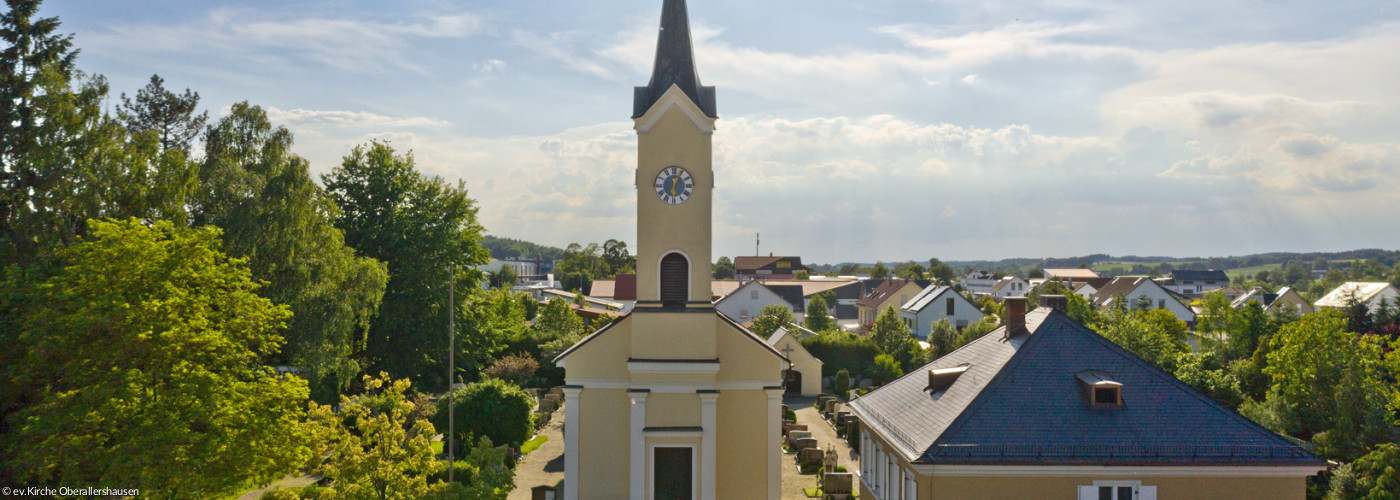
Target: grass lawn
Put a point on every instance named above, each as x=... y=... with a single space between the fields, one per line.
x=813 y=492
x=1252 y=270
x=533 y=444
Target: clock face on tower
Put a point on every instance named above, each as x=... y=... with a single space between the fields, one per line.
x=674 y=185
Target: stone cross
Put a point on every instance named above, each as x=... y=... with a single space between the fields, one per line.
x=787 y=351
x=830 y=459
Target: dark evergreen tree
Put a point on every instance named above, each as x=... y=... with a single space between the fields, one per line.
x=171 y=115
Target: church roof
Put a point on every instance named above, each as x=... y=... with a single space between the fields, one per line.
x=1019 y=401
x=675 y=65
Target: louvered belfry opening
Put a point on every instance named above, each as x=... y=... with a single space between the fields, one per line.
x=675 y=279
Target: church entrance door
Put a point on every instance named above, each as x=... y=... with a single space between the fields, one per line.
x=672 y=474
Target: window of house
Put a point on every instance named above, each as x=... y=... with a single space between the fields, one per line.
x=1117 y=490
x=950 y=306
x=743 y=314
x=1161 y=303
x=753 y=294
x=1100 y=390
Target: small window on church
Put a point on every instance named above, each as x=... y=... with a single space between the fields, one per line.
x=675 y=279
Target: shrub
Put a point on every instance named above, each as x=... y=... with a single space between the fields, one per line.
x=491 y=408
x=885 y=369
x=514 y=369
x=842 y=351
x=843 y=383
x=281 y=495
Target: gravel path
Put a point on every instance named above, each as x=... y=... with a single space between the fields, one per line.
x=793 y=483
x=544 y=466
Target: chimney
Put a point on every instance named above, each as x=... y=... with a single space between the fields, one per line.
x=1015 y=316
x=1056 y=302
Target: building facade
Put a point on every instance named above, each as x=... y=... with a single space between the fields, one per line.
x=667 y=400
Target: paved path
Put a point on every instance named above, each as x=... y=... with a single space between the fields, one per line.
x=793 y=483
x=544 y=466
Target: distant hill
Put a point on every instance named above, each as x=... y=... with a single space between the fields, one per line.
x=1134 y=264
x=504 y=248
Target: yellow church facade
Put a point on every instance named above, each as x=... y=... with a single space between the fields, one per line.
x=673 y=401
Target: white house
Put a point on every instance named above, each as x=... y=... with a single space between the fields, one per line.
x=934 y=303
x=750 y=298
x=1272 y=302
x=979 y=281
x=1131 y=289
x=1086 y=290
x=1370 y=294
x=1010 y=286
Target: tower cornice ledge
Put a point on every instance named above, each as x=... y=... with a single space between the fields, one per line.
x=674 y=98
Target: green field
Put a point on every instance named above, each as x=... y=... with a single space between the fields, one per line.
x=1252 y=270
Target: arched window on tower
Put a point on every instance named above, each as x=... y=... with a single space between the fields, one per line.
x=675 y=279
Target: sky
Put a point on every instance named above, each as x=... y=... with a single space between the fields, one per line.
x=848 y=131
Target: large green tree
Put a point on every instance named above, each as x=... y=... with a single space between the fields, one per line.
x=274 y=215
x=371 y=448
x=421 y=227
x=144 y=354
x=889 y=332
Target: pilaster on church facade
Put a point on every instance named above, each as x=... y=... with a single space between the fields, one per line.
x=673 y=400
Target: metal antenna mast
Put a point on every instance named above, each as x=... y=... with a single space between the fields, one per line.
x=451 y=364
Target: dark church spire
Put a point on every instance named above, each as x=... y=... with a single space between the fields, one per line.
x=675 y=64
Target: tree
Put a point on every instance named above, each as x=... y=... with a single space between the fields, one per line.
x=504 y=277
x=802 y=276
x=818 y=319
x=492 y=408
x=843 y=383
x=274 y=215
x=370 y=450
x=1329 y=385
x=517 y=370
x=171 y=116
x=1156 y=336
x=941 y=337
x=889 y=332
x=941 y=271
x=880 y=271
x=558 y=319
x=420 y=227
x=618 y=260
x=771 y=318
x=885 y=369
x=975 y=331
x=724 y=269
x=142 y=354
x=1375 y=476
x=1035 y=274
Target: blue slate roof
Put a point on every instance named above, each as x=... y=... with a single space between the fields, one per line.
x=1020 y=403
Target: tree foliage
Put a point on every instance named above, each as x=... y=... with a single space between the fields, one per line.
x=842 y=351
x=880 y=271
x=889 y=332
x=1155 y=335
x=491 y=408
x=370 y=449
x=818 y=317
x=274 y=215
x=515 y=369
x=420 y=227
x=724 y=269
x=505 y=277
x=941 y=338
x=143 y=353
x=771 y=318
x=169 y=115
x=885 y=369
x=1375 y=476
x=1329 y=385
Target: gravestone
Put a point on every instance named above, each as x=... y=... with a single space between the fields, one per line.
x=793 y=427
x=543 y=493
x=827 y=382
x=793 y=436
x=811 y=456
x=829 y=406
x=543 y=417
x=548 y=406
x=866 y=383
x=558 y=399
x=841 y=417
x=557 y=391
x=804 y=443
x=829 y=461
x=837 y=484
x=785 y=409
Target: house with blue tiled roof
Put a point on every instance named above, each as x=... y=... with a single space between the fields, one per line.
x=1047 y=408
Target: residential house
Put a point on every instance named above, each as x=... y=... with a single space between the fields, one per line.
x=1010 y=286
x=622 y=289
x=765 y=268
x=1047 y=408
x=1370 y=294
x=804 y=373
x=745 y=303
x=1131 y=290
x=1071 y=277
x=1086 y=290
x=892 y=293
x=934 y=303
x=1193 y=283
x=978 y=281
x=1286 y=297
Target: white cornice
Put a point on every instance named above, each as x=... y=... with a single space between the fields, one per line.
x=674 y=98
x=664 y=366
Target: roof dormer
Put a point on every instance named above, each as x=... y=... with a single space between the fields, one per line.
x=1099 y=389
x=940 y=379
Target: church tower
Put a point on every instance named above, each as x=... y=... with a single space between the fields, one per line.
x=673 y=401
x=675 y=119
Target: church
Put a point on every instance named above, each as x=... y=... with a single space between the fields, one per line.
x=674 y=400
